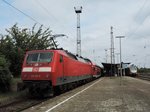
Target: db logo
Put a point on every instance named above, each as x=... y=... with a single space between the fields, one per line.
x=35 y=69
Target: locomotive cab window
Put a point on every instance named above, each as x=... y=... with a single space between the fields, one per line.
x=32 y=58
x=39 y=57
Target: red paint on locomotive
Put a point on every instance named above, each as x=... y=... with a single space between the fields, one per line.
x=57 y=66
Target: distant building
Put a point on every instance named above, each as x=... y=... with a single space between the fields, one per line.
x=114 y=69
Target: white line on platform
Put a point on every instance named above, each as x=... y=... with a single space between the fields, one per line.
x=71 y=97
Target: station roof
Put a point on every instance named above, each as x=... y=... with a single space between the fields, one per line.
x=108 y=65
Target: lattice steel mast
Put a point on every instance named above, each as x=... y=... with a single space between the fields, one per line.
x=78 y=11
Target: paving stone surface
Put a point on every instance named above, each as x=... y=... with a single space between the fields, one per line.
x=113 y=94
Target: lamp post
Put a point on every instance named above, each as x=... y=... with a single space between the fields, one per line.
x=117 y=55
x=106 y=54
x=120 y=54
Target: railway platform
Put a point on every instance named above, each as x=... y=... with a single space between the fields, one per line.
x=107 y=94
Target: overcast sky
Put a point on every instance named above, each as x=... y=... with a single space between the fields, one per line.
x=128 y=17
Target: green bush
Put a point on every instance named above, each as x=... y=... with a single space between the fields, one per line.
x=5 y=75
x=144 y=70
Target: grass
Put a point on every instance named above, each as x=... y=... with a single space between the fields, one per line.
x=16 y=80
x=13 y=92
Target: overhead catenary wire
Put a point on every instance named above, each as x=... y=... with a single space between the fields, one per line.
x=138 y=13
x=24 y=13
x=51 y=15
x=139 y=25
x=30 y=17
x=46 y=10
x=140 y=10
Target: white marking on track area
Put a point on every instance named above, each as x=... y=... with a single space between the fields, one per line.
x=72 y=96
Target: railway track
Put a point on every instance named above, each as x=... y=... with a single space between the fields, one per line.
x=20 y=104
x=25 y=102
x=144 y=76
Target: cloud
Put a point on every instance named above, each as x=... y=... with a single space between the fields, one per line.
x=96 y=18
x=143 y=13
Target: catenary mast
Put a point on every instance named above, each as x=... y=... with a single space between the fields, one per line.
x=78 y=10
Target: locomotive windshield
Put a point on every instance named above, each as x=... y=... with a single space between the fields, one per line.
x=39 y=57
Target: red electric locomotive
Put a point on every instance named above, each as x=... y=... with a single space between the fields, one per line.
x=43 y=70
x=96 y=71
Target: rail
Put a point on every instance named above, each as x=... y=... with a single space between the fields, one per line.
x=20 y=104
x=144 y=76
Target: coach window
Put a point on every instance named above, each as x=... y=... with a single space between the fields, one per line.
x=61 y=58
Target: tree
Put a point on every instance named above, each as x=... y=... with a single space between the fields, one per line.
x=144 y=70
x=19 y=40
x=5 y=75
